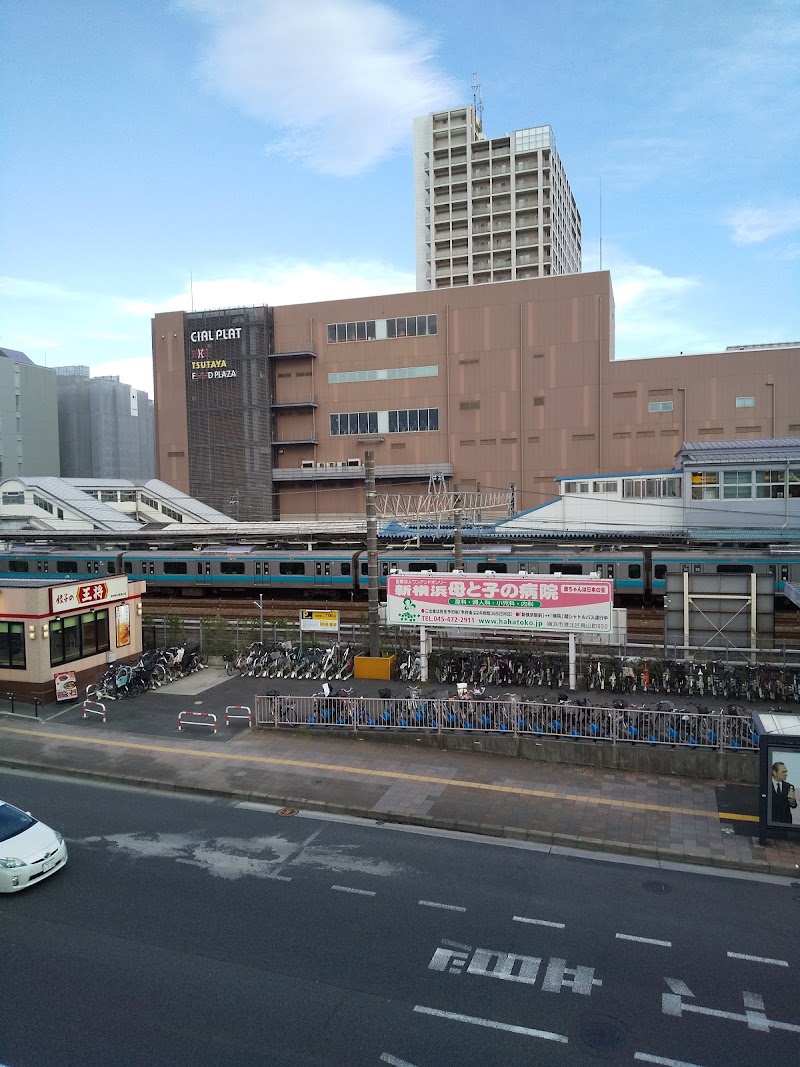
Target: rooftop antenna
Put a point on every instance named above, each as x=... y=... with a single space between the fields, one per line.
x=477 y=99
x=191 y=289
x=601 y=222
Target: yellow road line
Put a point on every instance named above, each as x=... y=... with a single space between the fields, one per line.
x=489 y=787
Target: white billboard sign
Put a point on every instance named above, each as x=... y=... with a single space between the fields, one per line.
x=501 y=602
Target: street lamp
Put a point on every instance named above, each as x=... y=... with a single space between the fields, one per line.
x=260 y=605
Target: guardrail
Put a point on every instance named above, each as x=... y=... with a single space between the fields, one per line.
x=714 y=730
x=197 y=718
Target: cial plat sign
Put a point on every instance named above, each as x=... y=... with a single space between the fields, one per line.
x=505 y=602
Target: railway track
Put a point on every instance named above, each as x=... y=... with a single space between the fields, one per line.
x=645 y=625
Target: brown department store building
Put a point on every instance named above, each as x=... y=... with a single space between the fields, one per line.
x=266 y=412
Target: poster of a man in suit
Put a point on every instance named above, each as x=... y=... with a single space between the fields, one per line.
x=783 y=796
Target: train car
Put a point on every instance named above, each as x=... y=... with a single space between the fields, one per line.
x=637 y=574
x=39 y=561
x=242 y=569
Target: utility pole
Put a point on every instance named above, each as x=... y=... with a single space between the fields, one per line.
x=260 y=605
x=372 y=555
x=458 y=540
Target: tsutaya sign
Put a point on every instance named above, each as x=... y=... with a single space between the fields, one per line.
x=505 y=602
x=87 y=594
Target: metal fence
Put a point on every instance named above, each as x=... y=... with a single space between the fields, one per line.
x=217 y=636
x=709 y=730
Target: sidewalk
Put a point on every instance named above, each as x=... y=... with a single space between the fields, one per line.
x=652 y=816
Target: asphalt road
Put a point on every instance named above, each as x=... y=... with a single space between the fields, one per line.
x=188 y=931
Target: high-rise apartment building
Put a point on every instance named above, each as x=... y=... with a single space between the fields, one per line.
x=105 y=427
x=28 y=416
x=490 y=210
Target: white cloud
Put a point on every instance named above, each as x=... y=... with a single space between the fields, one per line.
x=752 y=225
x=112 y=334
x=341 y=79
x=27 y=289
x=652 y=308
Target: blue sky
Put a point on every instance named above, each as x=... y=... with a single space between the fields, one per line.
x=265 y=149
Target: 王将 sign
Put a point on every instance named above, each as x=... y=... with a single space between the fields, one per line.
x=87 y=594
x=504 y=602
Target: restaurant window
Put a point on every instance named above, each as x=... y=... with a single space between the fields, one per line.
x=78 y=636
x=12 y=645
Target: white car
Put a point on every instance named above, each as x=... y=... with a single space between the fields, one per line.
x=29 y=850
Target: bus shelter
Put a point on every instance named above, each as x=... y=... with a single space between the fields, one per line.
x=779 y=774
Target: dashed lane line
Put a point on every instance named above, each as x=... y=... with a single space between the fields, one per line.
x=758 y=959
x=644 y=940
x=365 y=772
x=436 y=904
x=537 y=922
x=548 y=1035
x=645 y=1057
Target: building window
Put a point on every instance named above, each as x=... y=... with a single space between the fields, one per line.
x=40 y=502
x=770 y=485
x=12 y=645
x=386 y=374
x=383 y=329
x=705 y=486
x=78 y=636
x=354 y=423
x=745 y=401
x=415 y=419
x=659 y=405
x=359 y=423
x=13 y=498
x=737 y=485
x=651 y=488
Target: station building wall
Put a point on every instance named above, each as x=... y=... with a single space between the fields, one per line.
x=522 y=379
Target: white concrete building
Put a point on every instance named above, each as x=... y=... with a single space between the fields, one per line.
x=490 y=210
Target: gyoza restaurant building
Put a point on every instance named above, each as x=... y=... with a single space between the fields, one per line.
x=58 y=637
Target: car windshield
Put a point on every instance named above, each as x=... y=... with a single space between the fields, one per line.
x=13 y=821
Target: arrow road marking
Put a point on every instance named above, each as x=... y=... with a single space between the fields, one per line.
x=754 y=1014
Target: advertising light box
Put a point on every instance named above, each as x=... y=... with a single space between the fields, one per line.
x=501 y=602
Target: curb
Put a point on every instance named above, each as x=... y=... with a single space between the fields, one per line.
x=509 y=833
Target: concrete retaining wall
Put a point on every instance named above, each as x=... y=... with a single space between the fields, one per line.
x=727 y=766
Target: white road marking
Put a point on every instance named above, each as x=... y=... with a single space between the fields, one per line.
x=394 y=1061
x=647 y=1058
x=758 y=959
x=434 y=904
x=349 y=889
x=644 y=940
x=538 y=922
x=754 y=1014
x=548 y=1035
